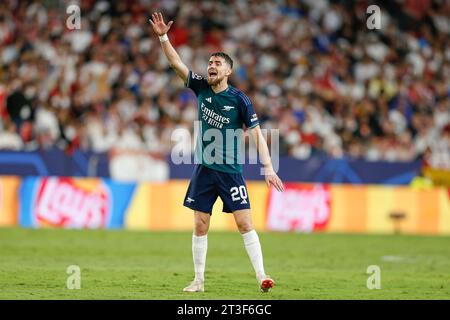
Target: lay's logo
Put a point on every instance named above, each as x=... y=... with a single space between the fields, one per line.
x=301 y=207
x=68 y=203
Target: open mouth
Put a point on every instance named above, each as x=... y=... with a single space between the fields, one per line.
x=212 y=74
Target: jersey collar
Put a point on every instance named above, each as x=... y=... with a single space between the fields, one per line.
x=223 y=91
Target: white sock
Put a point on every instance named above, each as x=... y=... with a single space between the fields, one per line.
x=253 y=247
x=199 y=248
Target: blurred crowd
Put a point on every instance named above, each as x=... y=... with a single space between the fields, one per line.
x=312 y=68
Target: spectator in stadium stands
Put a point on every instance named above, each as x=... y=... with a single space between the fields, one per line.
x=9 y=139
x=312 y=68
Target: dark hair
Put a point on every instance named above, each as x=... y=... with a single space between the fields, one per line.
x=225 y=56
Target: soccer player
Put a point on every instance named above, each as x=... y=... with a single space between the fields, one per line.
x=221 y=107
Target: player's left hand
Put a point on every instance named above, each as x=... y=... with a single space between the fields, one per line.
x=272 y=179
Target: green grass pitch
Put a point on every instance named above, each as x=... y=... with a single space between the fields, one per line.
x=157 y=265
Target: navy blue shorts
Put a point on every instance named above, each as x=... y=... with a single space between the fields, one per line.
x=207 y=184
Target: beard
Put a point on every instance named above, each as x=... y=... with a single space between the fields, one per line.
x=215 y=81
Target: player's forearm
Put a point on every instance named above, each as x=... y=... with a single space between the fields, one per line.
x=174 y=60
x=170 y=53
x=265 y=156
x=263 y=150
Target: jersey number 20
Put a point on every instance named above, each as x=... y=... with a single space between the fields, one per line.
x=238 y=193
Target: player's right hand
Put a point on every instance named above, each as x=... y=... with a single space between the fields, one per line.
x=158 y=24
x=274 y=180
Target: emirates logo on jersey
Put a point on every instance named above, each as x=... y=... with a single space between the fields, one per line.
x=212 y=118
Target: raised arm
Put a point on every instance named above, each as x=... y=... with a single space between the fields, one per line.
x=261 y=145
x=161 y=29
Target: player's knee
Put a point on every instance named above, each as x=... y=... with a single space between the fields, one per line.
x=245 y=226
x=201 y=228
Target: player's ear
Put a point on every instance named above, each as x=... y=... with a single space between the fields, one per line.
x=229 y=72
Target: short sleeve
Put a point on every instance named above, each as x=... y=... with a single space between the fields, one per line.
x=196 y=82
x=248 y=112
